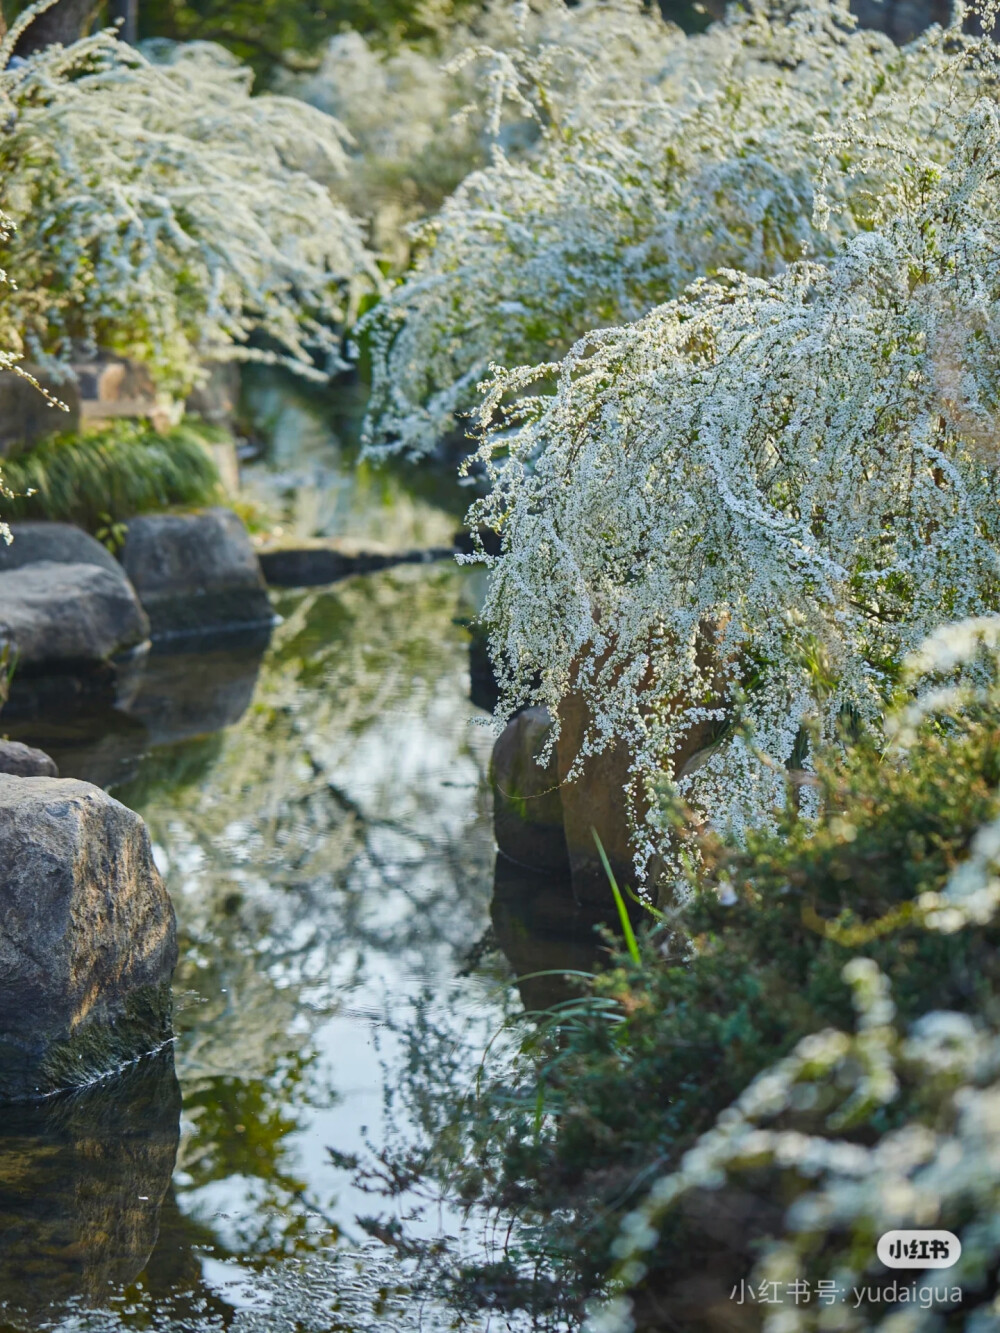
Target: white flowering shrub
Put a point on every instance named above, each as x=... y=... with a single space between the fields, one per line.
x=163 y=212
x=748 y=506
x=704 y=153
x=409 y=146
x=421 y=118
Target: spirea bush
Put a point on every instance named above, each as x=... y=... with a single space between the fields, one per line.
x=409 y=145
x=659 y=159
x=422 y=117
x=164 y=213
x=748 y=506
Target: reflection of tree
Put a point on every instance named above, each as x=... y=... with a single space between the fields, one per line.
x=324 y=489
x=333 y=843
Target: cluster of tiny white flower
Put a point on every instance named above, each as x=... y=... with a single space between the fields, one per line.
x=421 y=118
x=163 y=212
x=658 y=159
x=754 y=502
x=746 y=507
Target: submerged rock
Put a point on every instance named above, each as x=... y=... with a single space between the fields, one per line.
x=88 y=940
x=59 y=616
x=24 y=761
x=315 y=563
x=527 y=803
x=195 y=572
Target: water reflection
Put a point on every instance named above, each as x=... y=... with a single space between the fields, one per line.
x=193 y=686
x=545 y=935
x=82 y=1183
x=319 y=807
x=314 y=485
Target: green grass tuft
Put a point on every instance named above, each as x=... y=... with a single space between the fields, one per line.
x=108 y=476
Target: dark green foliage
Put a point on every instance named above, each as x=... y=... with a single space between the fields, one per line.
x=611 y=1093
x=271 y=33
x=102 y=478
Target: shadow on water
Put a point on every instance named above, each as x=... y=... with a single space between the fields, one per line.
x=83 y=1180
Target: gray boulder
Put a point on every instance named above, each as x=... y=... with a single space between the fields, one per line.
x=527 y=802
x=23 y=761
x=195 y=571
x=88 y=940
x=63 y=543
x=59 y=616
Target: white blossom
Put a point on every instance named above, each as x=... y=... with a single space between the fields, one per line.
x=163 y=212
x=773 y=137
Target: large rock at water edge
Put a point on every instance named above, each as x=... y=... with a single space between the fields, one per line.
x=527 y=804
x=87 y=937
x=24 y=761
x=195 y=571
x=64 y=543
x=59 y=617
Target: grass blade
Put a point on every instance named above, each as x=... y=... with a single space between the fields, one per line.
x=630 y=941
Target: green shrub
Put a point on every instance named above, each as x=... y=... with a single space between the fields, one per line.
x=102 y=478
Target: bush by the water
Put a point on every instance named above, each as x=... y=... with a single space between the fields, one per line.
x=742 y=509
x=105 y=477
x=145 y=226
x=816 y=1032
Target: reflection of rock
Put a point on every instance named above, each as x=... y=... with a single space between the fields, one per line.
x=195 y=571
x=82 y=1178
x=171 y=696
x=87 y=937
x=185 y=694
x=313 y=564
x=540 y=928
x=61 y=616
x=25 y=762
x=98 y=744
x=63 y=543
x=527 y=809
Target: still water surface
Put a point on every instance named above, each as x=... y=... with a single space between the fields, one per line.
x=319 y=807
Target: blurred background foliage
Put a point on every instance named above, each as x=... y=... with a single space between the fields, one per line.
x=272 y=35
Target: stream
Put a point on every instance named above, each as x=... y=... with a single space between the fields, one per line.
x=319 y=807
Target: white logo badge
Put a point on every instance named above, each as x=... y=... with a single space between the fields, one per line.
x=919 y=1249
